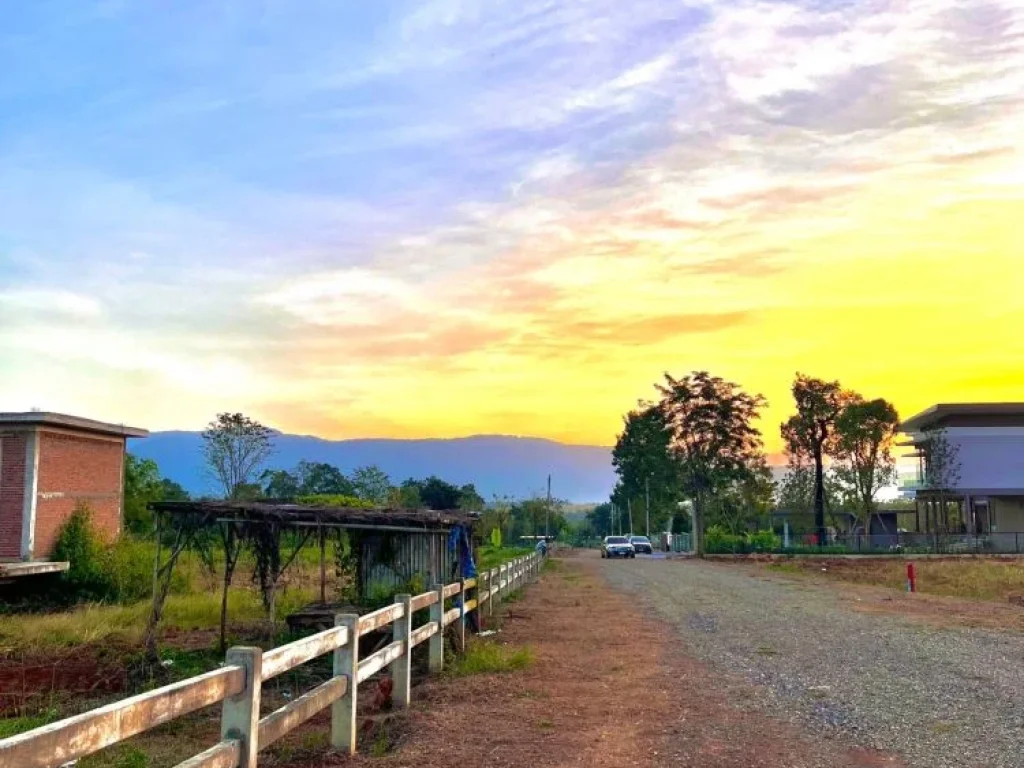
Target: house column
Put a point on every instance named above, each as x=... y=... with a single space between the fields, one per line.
x=31 y=495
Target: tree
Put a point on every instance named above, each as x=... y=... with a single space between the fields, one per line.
x=279 y=484
x=371 y=484
x=942 y=467
x=865 y=432
x=172 y=491
x=142 y=484
x=469 y=499
x=317 y=478
x=644 y=463
x=809 y=433
x=600 y=519
x=235 y=448
x=408 y=495
x=713 y=438
x=746 y=503
x=438 y=494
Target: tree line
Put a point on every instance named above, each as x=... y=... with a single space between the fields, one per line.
x=699 y=443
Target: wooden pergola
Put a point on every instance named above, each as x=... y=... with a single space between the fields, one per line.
x=260 y=525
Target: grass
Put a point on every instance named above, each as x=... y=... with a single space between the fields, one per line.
x=95 y=622
x=12 y=726
x=974 y=579
x=491 y=557
x=484 y=657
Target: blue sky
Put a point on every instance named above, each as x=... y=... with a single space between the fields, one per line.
x=447 y=217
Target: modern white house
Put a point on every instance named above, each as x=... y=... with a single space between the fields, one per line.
x=983 y=495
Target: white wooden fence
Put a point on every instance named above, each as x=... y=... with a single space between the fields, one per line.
x=238 y=683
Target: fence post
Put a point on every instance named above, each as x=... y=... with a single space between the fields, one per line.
x=462 y=614
x=491 y=597
x=240 y=716
x=401 y=668
x=346 y=662
x=437 y=639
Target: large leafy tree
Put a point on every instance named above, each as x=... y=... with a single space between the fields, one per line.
x=142 y=484
x=438 y=494
x=643 y=460
x=469 y=499
x=279 y=484
x=809 y=434
x=236 y=448
x=712 y=436
x=865 y=432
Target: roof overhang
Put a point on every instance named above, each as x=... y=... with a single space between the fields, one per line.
x=966 y=415
x=63 y=421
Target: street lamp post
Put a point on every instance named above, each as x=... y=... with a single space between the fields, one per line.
x=647 y=490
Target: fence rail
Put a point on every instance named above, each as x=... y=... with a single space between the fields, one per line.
x=238 y=683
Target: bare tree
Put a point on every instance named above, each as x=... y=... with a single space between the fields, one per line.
x=236 y=448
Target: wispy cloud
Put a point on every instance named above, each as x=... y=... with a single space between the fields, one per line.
x=495 y=200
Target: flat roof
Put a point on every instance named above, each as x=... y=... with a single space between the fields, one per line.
x=47 y=419
x=965 y=414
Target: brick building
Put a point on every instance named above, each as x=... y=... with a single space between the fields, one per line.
x=49 y=463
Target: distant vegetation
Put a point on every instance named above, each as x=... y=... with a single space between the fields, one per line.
x=696 y=455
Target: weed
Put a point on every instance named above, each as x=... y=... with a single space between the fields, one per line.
x=381 y=742
x=514 y=596
x=483 y=657
x=121 y=756
x=766 y=650
x=545 y=724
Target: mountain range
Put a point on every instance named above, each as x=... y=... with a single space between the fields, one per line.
x=495 y=464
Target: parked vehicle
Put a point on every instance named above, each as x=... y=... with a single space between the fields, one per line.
x=617 y=546
x=641 y=545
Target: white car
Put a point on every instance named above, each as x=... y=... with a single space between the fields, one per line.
x=617 y=546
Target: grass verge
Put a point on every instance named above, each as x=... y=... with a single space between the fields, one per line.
x=973 y=579
x=484 y=657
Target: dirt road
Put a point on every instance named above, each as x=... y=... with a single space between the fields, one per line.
x=611 y=686
x=834 y=666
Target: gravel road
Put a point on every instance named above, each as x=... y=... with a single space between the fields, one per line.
x=938 y=697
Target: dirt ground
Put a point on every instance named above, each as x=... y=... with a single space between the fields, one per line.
x=608 y=688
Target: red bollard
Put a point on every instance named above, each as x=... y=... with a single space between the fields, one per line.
x=911 y=578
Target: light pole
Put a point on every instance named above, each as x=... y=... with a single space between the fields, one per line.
x=647 y=491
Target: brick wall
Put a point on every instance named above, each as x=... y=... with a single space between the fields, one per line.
x=73 y=469
x=12 y=492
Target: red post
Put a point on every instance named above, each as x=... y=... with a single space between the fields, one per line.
x=911 y=578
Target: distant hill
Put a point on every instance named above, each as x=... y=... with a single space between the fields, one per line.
x=515 y=466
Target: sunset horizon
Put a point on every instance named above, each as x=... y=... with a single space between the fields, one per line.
x=447 y=219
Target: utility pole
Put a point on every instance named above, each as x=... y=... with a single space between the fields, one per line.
x=547 y=511
x=629 y=506
x=647 y=490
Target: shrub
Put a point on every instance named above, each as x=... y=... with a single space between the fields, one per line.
x=122 y=572
x=334 y=500
x=718 y=541
x=764 y=541
x=80 y=545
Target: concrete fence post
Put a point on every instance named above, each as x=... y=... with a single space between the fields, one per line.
x=490 y=597
x=462 y=614
x=346 y=662
x=436 y=641
x=401 y=668
x=240 y=716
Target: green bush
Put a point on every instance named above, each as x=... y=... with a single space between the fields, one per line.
x=718 y=541
x=764 y=541
x=79 y=544
x=122 y=572
x=334 y=500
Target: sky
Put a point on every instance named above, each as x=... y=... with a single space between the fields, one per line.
x=451 y=217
